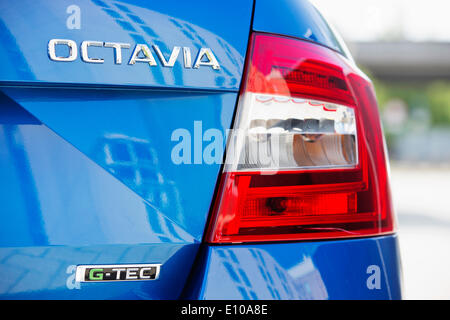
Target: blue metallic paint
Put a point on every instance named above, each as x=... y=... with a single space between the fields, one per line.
x=59 y=187
x=25 y=32
x=114 y=128
x=296 y=18
x=48 y=272
x=85 y=170
x=307 y=270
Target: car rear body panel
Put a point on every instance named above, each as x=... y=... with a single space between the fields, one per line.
x=87 y=174
x=295 y=18
x=26 y=31
x=306 y=270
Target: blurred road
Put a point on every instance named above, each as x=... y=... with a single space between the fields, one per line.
x=422 y=201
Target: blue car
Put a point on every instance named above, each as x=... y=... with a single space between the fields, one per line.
x=189 y=150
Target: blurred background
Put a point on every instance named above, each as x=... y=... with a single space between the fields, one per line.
x=404 y=45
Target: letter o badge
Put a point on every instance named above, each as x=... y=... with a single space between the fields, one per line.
x=73 y=50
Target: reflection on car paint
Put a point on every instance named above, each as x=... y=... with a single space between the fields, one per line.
x=30 y=272
x=137 y=163
x=264 y=278
x=59 y=197
x=124 y=23
x=299 y=270
x=85 y=119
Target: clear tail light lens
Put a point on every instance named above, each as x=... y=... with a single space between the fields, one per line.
x=279 y=133
x=306 y=159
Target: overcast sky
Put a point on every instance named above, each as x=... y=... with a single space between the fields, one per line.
x=368 y=20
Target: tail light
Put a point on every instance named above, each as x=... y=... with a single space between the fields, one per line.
x=306 y=159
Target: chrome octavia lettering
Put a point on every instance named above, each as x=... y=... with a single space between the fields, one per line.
x=187 y=57
x=173 y=56
x=212 y=59
x=146 y=51
x=117 y=50
x=141 y=53
x=73 y=51
x=84 y=51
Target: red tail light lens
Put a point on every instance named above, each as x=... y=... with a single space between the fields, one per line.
x=306 y=159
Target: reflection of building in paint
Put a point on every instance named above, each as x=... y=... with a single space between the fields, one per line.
x=143 y=25
x=254 y=270
x=135 y=162
x=307 y=280
x=34 y=271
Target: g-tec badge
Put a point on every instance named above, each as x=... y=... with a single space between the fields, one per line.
x=119 y=272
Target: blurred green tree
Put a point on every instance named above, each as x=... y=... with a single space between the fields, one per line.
x=438 y=94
